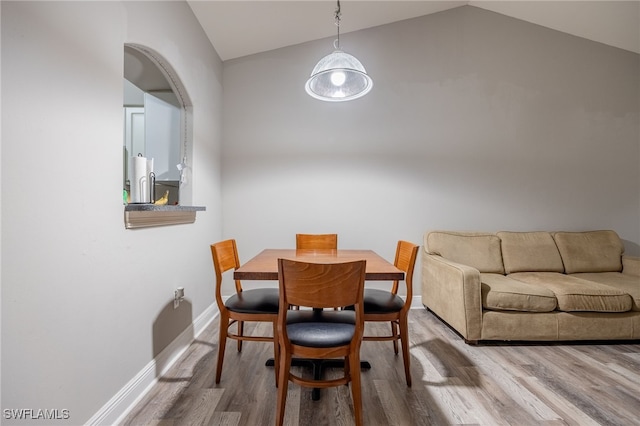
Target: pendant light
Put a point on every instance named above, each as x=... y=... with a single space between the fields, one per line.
x=339 y=76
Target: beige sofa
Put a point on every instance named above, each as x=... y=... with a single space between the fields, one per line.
x=533 y=286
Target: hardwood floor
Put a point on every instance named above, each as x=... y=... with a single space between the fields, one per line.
x=453 y=383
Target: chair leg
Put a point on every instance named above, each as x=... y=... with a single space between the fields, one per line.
x=222 y=343
x=283 y=383
x=394 y=333
x=347 y=369
x=404 y=338
x=356 y=387
x=240 y=333
x=276 y=352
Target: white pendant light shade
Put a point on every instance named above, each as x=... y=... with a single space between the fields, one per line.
x=338 y=77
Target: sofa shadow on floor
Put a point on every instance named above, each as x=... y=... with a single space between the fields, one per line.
x=445 y=360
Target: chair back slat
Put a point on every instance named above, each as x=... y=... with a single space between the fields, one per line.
x=320 y=285
x=317 y=241
x=225 y=257
x=406 y=254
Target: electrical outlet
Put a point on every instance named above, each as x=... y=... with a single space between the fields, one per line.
x=178 y=296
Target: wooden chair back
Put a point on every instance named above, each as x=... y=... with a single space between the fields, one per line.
x=317 y=241
x=406 y=254
x=225 y=257
x=321 y=285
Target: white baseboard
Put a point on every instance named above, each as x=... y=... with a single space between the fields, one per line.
x=416 y=302
x=115 y=410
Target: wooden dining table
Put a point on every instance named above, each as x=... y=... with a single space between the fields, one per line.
x=264 y=266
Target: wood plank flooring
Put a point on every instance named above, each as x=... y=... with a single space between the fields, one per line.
x=453 y=384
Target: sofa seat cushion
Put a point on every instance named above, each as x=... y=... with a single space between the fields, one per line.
x=576 y=294
x=476 y=249
x=500 y=293
x=530 y=252
x=629 y=284
x=593 y=251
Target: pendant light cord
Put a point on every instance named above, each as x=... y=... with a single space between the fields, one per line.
x=336 y=44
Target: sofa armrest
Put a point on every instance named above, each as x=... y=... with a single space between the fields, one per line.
x=631 y=265
x=453 y=292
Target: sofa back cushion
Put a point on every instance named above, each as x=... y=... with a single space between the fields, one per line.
x=479 y=250
x=530 y=252
x=593 y=251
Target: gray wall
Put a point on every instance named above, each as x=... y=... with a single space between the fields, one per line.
x=86 y=304
x=476 y=121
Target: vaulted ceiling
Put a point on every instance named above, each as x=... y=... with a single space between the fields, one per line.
x=239 y=28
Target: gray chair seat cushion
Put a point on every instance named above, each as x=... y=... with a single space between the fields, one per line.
x=381 y=302
x=254 y=301
x=320 y=329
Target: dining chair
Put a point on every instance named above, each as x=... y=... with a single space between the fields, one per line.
x=386 y=305
x=317 y=241
x=317 y=333
x=259 y=305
